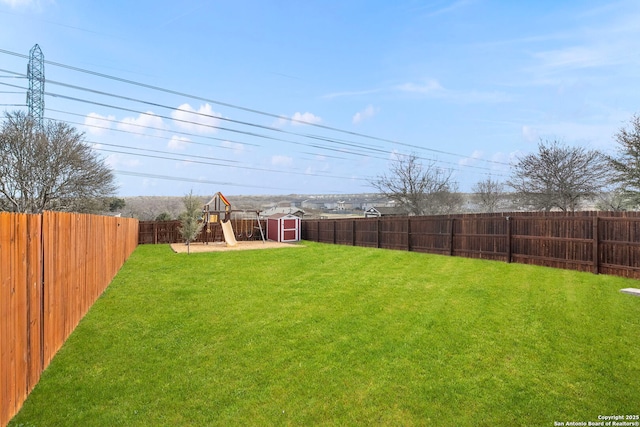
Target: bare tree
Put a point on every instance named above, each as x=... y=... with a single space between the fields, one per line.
x=626 y=165
x=49 y=169
x=190 y=227
x=488 y=193
x=559 y=176
x=419 y=189
x=615 y=200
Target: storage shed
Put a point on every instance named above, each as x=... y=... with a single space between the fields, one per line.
x=283 y=228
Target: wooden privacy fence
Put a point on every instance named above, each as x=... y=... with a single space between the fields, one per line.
x=53 y=267
x=598 y=242
x=155 y=232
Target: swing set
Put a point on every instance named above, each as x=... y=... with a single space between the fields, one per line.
x=218 y=210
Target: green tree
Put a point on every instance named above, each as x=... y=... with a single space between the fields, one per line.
x=164 y=216
x=116 y=204
x=190 y=226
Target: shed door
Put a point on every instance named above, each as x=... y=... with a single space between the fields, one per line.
x=289 y=231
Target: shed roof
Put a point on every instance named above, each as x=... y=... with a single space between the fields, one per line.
x=282 y=215
x=386 y=211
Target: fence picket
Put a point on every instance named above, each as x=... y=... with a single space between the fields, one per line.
x=600 y=242
x=53 y=267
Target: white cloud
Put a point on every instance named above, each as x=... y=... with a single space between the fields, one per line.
x=17 y=3
x=280 y=160
x=296 y=119
x=137 y=125
x=604 y=39
x=509 y=158
x=596 y=134
x=472 y=159
x=396 y=156
x=432 y=88
x=305 y=117
x=32 y=4
x=281 y=122
x=237 y=147
x=184 y=164
x=500 y=162
x=97 y=124
x=114 y=161
x=364 y=114
x=178 y=142
x=203 y=120
x=149 y=183
x=576 y=57
x=351 y=93
x=529 y=134
x=439 y=9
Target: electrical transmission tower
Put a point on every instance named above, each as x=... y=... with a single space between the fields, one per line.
x=35 y=95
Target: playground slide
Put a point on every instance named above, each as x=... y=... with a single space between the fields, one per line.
x=227 y=230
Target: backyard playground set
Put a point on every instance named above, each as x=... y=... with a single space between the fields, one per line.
x=218 y=211
x=217 y=215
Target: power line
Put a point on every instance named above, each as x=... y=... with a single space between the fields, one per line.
x=195 y=159
x=240 y=122
x=352 y=152
x=271 y=128
x=246 y=109
x=258 y=135
x=199 y=159
x=243 y=167
x=354 y=148
x=15 y=86
x=194 y=180
x=148 y=127
x=316 y=137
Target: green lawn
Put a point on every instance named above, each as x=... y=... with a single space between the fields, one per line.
x=337 y=335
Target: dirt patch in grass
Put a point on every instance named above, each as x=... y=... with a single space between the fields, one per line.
x=241 y=246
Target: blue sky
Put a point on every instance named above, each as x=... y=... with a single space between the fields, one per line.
x=469 y=85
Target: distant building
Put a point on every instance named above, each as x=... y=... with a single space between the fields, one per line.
x=311 y=204
x=379 y=211
x=282 y=210
x=344 y=206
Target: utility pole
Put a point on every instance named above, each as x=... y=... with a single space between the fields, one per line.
x=35 y=94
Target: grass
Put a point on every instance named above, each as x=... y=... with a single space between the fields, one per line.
x=336 y=335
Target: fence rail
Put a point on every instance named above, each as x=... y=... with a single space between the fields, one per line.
x=155 y=232
x=599 y=242
x=53 y=267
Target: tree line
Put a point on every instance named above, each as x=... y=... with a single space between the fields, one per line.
x=49 y=166
x=557 y=176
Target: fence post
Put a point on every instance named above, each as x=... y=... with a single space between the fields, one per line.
x=378 y=233
x=317 y=231
x=334 y=231
x=408 y=234
x=451 y=236
x=353 y=233
x=596 y=249
x=509 y=221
